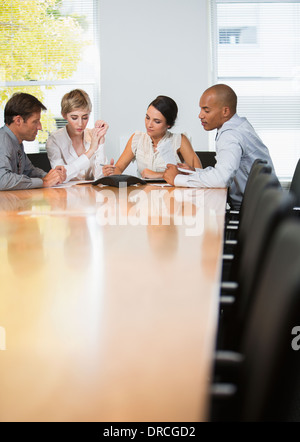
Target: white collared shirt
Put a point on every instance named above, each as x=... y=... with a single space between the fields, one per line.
x=62 y=153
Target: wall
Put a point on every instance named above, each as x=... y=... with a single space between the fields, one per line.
x=148 y=48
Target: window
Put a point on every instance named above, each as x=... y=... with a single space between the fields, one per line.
x=256 y=48
x=47 y=48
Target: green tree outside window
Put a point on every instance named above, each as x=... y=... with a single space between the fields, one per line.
x=38 y=43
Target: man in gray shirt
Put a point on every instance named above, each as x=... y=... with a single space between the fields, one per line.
x=237 y=147
x=22 y=115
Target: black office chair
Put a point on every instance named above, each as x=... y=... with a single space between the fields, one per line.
x=295 y=184
x=267 y=367
x=262 y=181
x=272 y=208
x=40 y=160
x=207 y=158
x=234 y=217
x=232 y=252
x=256 y=168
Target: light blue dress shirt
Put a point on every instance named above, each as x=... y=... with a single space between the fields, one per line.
x=237 y=147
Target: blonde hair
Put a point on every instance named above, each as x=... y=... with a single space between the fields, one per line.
x=76 y=99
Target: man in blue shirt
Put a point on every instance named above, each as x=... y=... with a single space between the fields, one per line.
x=22 y=115
x=237 y=146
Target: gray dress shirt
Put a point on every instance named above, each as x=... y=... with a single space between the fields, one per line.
x=16 y=170
x=237 y=146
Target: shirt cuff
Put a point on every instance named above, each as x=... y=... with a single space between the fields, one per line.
x=36 y=183
x=181 y=180
x=74 y=168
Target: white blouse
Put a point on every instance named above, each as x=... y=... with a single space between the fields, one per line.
x=62 y=153
x=157 y=161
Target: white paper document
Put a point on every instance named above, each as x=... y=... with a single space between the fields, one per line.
x=72 y=183
x=190 y=172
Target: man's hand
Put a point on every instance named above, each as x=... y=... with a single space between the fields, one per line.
x=170 y=174
x=54 y=177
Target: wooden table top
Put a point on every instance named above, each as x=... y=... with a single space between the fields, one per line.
x=108 y=302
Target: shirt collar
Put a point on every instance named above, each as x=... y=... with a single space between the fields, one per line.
x=229 y=123
x=86 y=141
x=163 y=139
x=11 y=134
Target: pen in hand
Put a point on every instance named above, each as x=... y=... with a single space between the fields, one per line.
x=108 y=169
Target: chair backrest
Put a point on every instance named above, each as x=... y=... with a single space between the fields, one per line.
x=258 y=167
x=271 y=367
x=207 y=158
x=273 y=206
x=257 y=186
x=295 y=184
x=40 y=160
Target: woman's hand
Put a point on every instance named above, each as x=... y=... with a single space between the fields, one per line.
x=109 y=169
x=97 y=138
x=103 y=126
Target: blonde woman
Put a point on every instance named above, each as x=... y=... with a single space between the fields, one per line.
x=81 y=150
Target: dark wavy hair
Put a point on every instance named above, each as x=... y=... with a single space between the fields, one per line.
x=21 y=104
x=167 y=107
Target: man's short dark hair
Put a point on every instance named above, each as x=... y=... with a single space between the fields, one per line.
x=21 y=104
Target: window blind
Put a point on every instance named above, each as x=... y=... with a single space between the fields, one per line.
x=256 y=51
x=47 y=48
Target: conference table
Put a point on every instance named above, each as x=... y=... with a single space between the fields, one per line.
x=108 y=302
